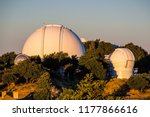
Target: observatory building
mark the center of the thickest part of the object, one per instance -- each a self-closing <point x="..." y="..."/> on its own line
<point x="122" y="61"/>
<point x="83" y="40"/>
<point x="53" y="38"/>
<point x="20" y="57"/>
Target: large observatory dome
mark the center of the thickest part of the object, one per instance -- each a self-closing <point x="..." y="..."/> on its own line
<point x="53" y="38"/>
<point x="122" y="60"/>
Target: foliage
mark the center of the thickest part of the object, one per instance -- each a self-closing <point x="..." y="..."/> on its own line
<point x="1" y="73"/>
<point x="55" y="60"/>
<point x="100" y="48"/>
<point x="133" y="92"/>
<point x="28" y="70"/>
<point x="36" y="59"/>
<point x="116" y="87"/>
<point x="88" y="88"/>
<point x="67" y="94"/>
<point x="144" y="65"/>
<point x="43" y="87"/>
<point x="140" y="82"/>
<point x="7" y="60"/>
<point x="142" y="59"/>
<point x="89" y="73"/>
<point x="93" y="60"/>
<point x="138" y="52"/>
<point x="8" y="77"/>
<point x="95" y="66"/>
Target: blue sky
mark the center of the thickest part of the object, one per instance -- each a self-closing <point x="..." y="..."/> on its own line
<point x="115" y="21"/>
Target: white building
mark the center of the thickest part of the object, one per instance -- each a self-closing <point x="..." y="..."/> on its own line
<point x="20" y="57"/>
<point x="83" y="40"/>
<point x="122" y="60"/>
<point x="53" y="38"/>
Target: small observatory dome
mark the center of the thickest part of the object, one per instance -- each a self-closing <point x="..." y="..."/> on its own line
<point x="122" y="60"/>
<point x="83" y="40"/>
<point x="53" y="38"/>
<point x="20" y="57"/>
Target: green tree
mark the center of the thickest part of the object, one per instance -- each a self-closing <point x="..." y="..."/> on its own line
<point x="100" y="48"/>
<point x="8" y="77"/>
<point x="138" y="52"/>
<point x="43" y="87"/>
<point x="140" y="82"/>
<point x="93" y="60"/>
<point x="115" y="88"/>
<point x="7" y="60"/>
<point x="28" y="70"/>
<point x="144" y="65"/>
<point x="141" y="57"/>
<point x="93" y="64"/>
<point x="36" y="59"/>
<point x="55" y="60"/>
<point x="87" y="89"/>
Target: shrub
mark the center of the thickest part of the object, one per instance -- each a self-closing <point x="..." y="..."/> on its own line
<point x="140" y="82"/>
<point x="8" y="77"/>
<point x="43" y="87"/>
<point x="116" y="87"/>
<point x="28" y="70"/>
<point x="87" y="89"/>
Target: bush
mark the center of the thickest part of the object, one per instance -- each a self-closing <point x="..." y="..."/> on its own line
<point x="7" y="60"/>
<point x="55" y="60"/>
<point x="140" y="82"/>
<point x="116" y="87"/>
<point x="43" y="87"/>
<point x="87" y="89"/>
<point x="8" y="77"/>
<point x="93" y="65"/>
<point x="133" y="92"/>
<point x="28" y="70"/>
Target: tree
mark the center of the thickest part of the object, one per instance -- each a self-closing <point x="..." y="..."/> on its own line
<point x="36" y="59"/>
<point x="105" y="48"/>
<point x="140" y="82"/>
<point x="8" y="77"/>
<point x="141" y="57"/>
<point x="100" y="48"/>
<point x="28" y="70"/>
<point x="138" y="52"/>
<point x="87" y="89"/>
<point x="43" y="87"/>
<point x="55" y="60"/>
<point x="144" y="65"/>
<point x="116" y="87"/>
<point x="93" y="64"/>
<point x="93" y="60"/>
<point x="7" y="60"/>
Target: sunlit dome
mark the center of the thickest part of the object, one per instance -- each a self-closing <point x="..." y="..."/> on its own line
<point x="53" y="38"/>
<point x="20" y="57"/>
<point x="83" y="40"/>
<point x="122" y="60"/>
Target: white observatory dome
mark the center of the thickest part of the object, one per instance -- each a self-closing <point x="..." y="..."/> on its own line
<point x="83" y="40"/>
<point x="53" y="38"/>
<point x="20" y="57"/>
<point x="122" y="60"/>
